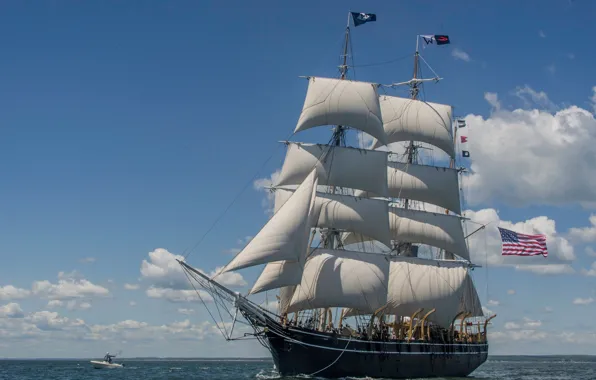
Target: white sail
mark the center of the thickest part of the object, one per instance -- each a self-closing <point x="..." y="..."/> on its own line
<point x="417" y="283"/>
<point x="285" y="297"/>
<point x="344" y="212"/>
<point x="408" y="119"/>
<point x="336" y="166"/>
<point x="428" y="284"/>
<point x="414" y="226"/>
<point x="278" y="275"/>
<point x="342" y="102"/>
<point x="431" y="184"/>
<point x="334" y="278"/>
<point x="285" y="236"/>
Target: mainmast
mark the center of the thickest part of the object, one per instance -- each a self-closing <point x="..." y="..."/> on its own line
<point x="405" y="249"/>
<point x="332" y="239"/>
<point x="339" y="131"/>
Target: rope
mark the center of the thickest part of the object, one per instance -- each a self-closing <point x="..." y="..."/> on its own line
<point x="189" y="251"/>
<point x="224" y="334"/>
<point x="335" y="361"/>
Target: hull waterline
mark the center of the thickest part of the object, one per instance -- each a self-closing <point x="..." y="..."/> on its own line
<point x="98" y="364"/>
<point x="296" y="351"/>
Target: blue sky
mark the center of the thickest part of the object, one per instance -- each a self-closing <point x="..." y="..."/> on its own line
<point x="128" y="127"/>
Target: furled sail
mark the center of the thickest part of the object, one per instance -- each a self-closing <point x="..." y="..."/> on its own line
<point x="342" y="102"/>
<point x="336" y="166"/>
<point x="414" y="226"/>
<point x="416" y="283"/>
<point x="344" y="212"/>
<point x="409" y="119"/>
<point x="335" y="278"/>
<point x="435" y="185"/>
<point x="285" y="236"/>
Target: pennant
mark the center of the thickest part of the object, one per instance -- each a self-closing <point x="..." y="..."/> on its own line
<point x="461" y="123"/>
<point x="464" y="139"/>
<point x="465" y="153"/>
<point x="363" y="18"/>
<point x="440" y="39"/>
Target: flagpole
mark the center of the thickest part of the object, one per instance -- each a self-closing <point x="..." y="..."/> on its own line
<point x="344" y="66"/>
<point x="417" y="42"/>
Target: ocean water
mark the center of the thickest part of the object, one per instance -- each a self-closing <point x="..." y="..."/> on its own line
<point x="495" y="368"/>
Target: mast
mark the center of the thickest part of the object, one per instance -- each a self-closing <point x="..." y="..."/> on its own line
<point x="332" y="235"/>
<point x="406" y="248"/>
<point x="339" y="131"/>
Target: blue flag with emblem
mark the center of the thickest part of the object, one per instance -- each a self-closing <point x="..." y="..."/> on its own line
<point x="363" y="18"/>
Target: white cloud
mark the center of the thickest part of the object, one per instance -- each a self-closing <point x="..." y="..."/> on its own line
<point x="583" y="301"/>
<point x="571" y="56"/>
<point x="512" y="326"/>
<point x="577" y="337"/>
<point x="493" y="303"/>
<point x="163" y="271"/>
<point x="232" y="279"/>
<point x="262" y="184"/>
<point x="530" y="141"/>
<point x="541" y="34"/>
<point x="591" y="271"/>
<point x="186" y="311"/>
<point x="131" y="286"/>
<point x="51" y="320"/>
<point x="55" y="303"/>
<point x="70" y="305"/>
<point x="132" y="303"/>
<point x="551" y="69"/>
<point x="547" y="268"/>
<point x="517" y="335"/>
<point x="15" y="325"/>
<point x="88" y="260"/>
<point x="493" y="99"/>
<point x="530" y="97"/>
<point x="590" y="251"/>
<point x="532" y="323"/>
<point x="69" y="285"/>
<point x="460" y="54"/>
<point x="593" y="99"/>
<point x="486" y="245"/>
<point x="511" y="292"/>
<point x="11" y="310"/>
<point x="548" y="309"/>
<point x="585" y="234"/>
<point x="179" y="295"/>
<point x="486" y="311"/>
<point x="10" y="292"/>
<point x="74" y="305"/>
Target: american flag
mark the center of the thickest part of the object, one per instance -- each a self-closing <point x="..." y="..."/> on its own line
<point x="515" y="244"/>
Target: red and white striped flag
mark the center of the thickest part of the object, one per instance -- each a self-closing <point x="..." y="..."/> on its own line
<point x="516" y="244"/>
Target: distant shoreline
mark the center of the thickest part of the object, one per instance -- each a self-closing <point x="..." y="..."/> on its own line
<point x="154" y="358"/>
<point x="265" y="359"/>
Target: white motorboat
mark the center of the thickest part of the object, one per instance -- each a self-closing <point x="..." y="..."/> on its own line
<point x="106" y="362"/>
<point x="98" y="364"/>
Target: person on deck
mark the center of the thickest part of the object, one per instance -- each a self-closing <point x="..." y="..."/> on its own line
<point x="108" y="357"/>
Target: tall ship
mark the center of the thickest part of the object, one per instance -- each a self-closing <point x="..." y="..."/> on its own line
<point x="366" y="249"/>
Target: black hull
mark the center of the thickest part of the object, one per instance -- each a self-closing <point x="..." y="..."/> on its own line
<point x="297" y="351"/>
